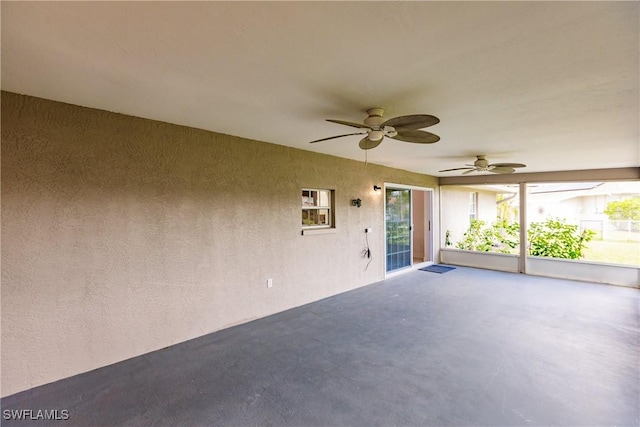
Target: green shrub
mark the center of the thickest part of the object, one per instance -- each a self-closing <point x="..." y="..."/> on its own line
<point x="557" y="239"/>
<point x="476" y="238"/>
<point x="507" y="235"/>
<point x="498" y="237"/>
<point x="552" y="238"/>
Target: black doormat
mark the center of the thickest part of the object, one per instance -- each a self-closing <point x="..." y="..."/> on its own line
<point x="437" y="268"/>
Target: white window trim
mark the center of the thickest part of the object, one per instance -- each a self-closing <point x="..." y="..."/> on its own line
<point x="310" y="231"/>
<point x="321" y="228"/>
<point x="473" y="211"/>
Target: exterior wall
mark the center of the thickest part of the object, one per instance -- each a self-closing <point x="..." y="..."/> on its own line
<point x="541" y="206"/>
<point x="122" y="235"/>
<point x="592" y="207"/>
<point x="595" y="205"/>
<point x="454" y="212"/>
<point x="487" y="208"/>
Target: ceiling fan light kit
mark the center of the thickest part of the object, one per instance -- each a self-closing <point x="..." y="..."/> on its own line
<point x="375" y="135"/>
<point x="402" y="128"/>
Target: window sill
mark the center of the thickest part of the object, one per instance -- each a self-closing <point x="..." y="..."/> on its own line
<point x="312" y="231"/>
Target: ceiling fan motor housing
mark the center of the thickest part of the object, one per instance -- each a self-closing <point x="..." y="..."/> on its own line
<point x="481" y="163"/>
<point x="375" y="118"/>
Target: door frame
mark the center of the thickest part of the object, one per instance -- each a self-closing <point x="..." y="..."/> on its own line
<point x="429" y="195"/>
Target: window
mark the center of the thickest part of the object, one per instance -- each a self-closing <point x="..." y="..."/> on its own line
<point x="317" y="208"/>
<point x="473" y="206"/>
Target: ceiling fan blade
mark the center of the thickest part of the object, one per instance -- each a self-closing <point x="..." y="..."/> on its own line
<point x="455" y="169"/>
<point x="355" y="125"/>
<point x="367" y="144"/>
<point x="416" y="136"/>
<point x="508" y="165"/>
<point x="502" y="170"/>
<point x="339" y="136"/>
<point x="468" y="172"/>
<point x="412" y="122"/>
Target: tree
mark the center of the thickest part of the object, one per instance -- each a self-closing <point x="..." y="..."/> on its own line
<point x="627" y="209"/>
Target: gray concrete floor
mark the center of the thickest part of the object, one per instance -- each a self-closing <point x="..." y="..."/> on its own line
<point x="468" y="347"/>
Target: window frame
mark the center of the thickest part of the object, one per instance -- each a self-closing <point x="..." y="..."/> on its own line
<point x="473" y="206"/>
<point x="330" y="207"/>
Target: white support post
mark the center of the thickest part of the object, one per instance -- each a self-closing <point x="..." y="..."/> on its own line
<point x="522" y="265"/>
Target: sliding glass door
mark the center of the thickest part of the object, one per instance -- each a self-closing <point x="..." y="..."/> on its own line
<point x="398" y="228"/>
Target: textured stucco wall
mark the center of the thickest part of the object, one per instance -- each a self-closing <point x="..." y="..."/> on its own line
<point x="122" y="235"/>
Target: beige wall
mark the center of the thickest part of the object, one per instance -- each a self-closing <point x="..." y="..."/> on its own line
<point x="122" y="235"/>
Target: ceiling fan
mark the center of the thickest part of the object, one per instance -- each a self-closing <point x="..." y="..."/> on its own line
<point x="482" y="165"/>
<point x="402" y="128"/>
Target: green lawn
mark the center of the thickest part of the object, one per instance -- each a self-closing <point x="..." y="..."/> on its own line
<point x="623" y="252"/>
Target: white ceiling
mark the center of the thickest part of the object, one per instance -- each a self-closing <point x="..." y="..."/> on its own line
<point x="554" y="85"/>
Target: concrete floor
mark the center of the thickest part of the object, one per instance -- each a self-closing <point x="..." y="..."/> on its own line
<point x="468" y="347"/>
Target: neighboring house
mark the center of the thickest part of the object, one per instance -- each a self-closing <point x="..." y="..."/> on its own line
<point x="577" y="202"/>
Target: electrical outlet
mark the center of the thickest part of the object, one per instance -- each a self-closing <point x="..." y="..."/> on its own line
<point x="269" y="283"/>
<point x="368" y="230"/>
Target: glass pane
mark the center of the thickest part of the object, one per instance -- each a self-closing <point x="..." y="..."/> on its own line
<point x="319" y="198"/>
<point x="398" y="218"/>
<point x="492" y="221"/>
<point x="313" y="217"/>
<point x="323" y="197"/>
<point x="592" y="221"/>
<point x="309" y="198"/>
